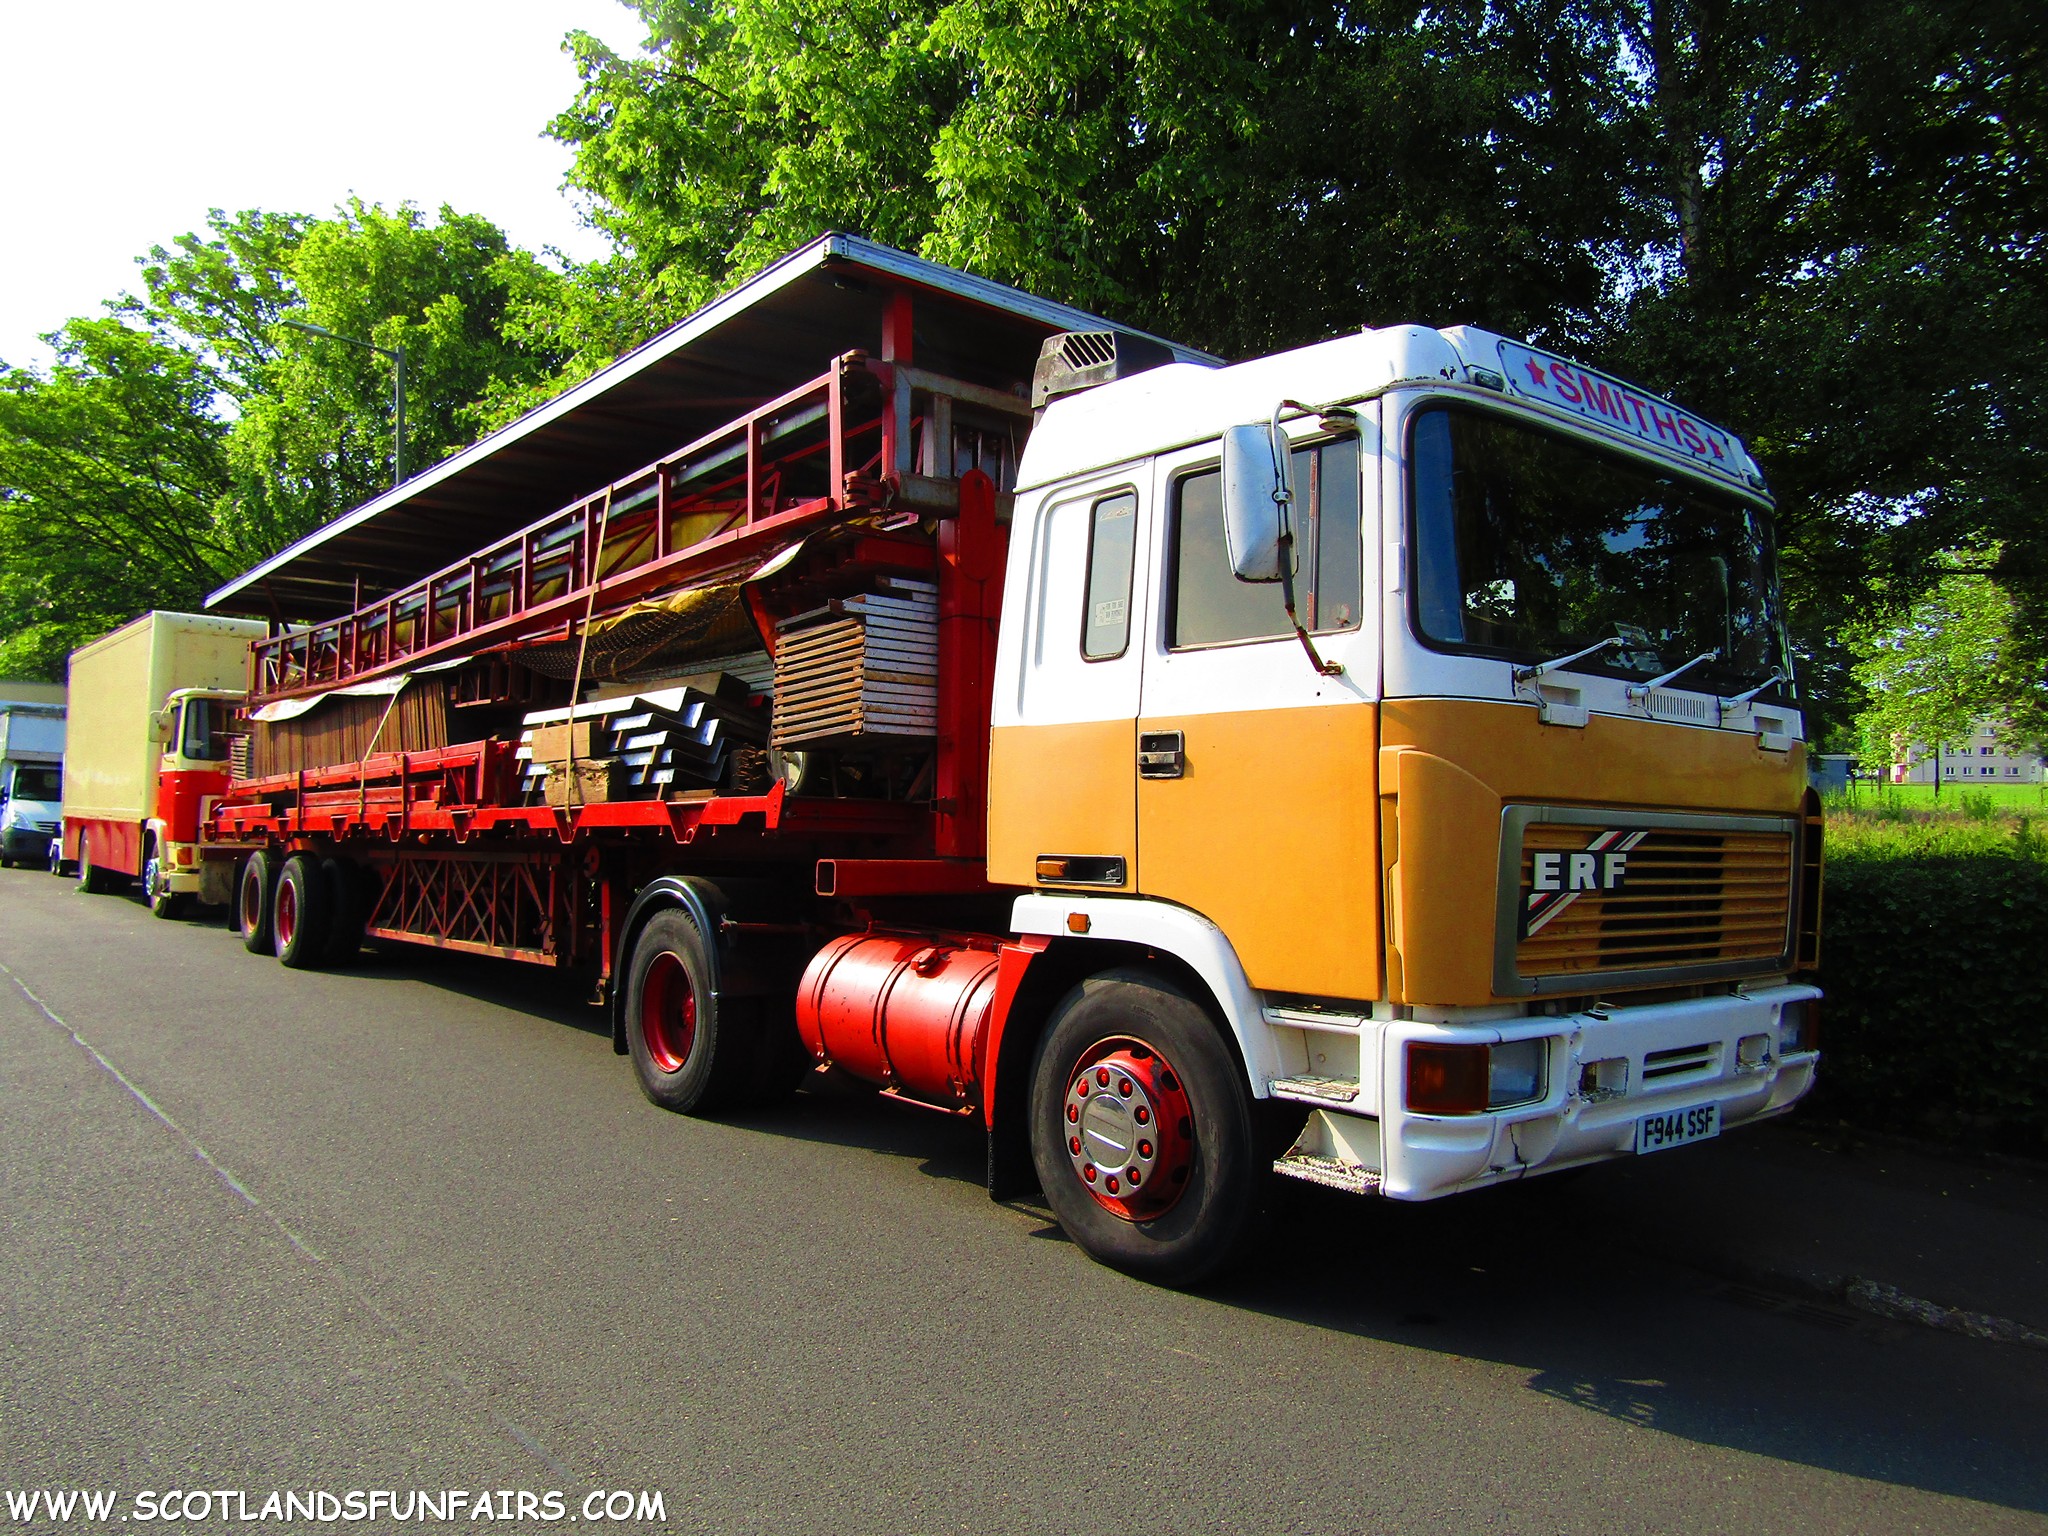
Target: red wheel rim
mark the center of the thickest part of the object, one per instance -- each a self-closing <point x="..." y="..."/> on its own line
<point x="1129" y="1129"/>
<point x="668" y="1012"/>
<point x="287" y="912"/>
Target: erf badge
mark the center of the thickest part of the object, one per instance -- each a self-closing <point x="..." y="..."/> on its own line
<point x="1556" y="880"/>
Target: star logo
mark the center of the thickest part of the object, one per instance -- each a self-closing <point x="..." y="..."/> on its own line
<point x="1535" y="372"/>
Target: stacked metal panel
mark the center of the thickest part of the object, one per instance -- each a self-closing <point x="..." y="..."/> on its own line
<point x="859" y="667"/>
<point x="661" y="741"/>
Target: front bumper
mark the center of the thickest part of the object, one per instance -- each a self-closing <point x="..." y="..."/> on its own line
<point x="27" y="840"/>
<point x="1677" y="1055"/>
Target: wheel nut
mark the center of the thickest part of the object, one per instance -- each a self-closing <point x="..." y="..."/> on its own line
<point x="1132" y="1175"/>
<point x="1144" y="1151"/>
<point x="1074" y="1145"/>
<point x="1142" y="1115"/>
<point x="1073" y="1113"/>
<point x="1102" y="1077"/>
<point x="1123" y="1086"/>
<point x="1110" y="1184"/>
<point x="1088" y="1173"/>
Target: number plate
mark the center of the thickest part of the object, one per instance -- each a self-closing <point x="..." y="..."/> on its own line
<point x="1676" y="1127"/>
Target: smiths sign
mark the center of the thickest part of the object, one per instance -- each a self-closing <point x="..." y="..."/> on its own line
<point x="1556" y="880"/>
<point x="1614" y="404"/>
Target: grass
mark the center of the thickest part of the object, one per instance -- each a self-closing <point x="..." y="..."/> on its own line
<point x="1921" y="797"/>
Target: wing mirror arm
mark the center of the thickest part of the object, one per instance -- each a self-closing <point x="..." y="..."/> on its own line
<point x="1258" y="521"/>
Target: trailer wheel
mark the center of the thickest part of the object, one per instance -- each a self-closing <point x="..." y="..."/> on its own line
<point x="254" y="894"/>
<point x="1141" y="1129"/>
<point x="301" y="915"/>
<point x="156" y="885"/>
<point x="692" y="1051"/>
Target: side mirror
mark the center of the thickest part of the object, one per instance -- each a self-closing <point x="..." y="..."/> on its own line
<point x="162" y="723"/>
<point x="1257" y="498"/>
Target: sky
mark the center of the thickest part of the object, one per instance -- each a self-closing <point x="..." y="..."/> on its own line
<point x="127" y="121"/>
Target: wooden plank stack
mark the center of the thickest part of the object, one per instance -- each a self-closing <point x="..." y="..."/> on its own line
<point x="860" y="667"/>
<point x="346" y="728"/>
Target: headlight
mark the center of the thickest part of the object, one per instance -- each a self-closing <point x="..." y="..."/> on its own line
<point x="1799" y="1027"/>
<point x="1445" y="1079"/>
<point x="1515" y="1074"/>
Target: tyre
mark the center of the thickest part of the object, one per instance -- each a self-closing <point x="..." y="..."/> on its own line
<point x="348" y="909"/>
<point x="255" y="894"/>
<point x="302" y="914"/>
<point x="692" y="1052"/>
<point x="93" y="880"/>
<point x="1142" y="1131"/>
<point x="156" y="886"/>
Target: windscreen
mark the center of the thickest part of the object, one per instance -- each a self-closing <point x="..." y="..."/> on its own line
<point x="39" y="784"/>
<point x="1530" y="546"/>
<point x="204" y="739"/>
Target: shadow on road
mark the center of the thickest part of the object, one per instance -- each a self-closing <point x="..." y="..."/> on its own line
<point x="1559" y="1280"/>
<point x="1562" y="1280"/>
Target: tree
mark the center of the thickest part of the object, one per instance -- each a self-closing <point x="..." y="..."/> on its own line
<point x="1850" y="271"/>
<point x="1241" y="175"/>
<point x="112" y="473"/>
<point x="1934" y="679"/>
<point x="187" y="435"/>
<point x="313" y="423"/>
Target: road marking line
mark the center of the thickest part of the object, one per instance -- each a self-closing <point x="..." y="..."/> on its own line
<point x="306" y="1250"/>
<point x="192" y="1143"/>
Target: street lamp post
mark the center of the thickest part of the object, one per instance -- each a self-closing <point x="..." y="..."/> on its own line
<point x="397" y="356"/>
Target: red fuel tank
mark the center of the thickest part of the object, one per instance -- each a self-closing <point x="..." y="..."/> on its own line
<point x="906" y="1010"/>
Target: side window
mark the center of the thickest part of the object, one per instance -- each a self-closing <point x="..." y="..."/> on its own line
<point x="1211" y="606"/>
<point x="1112" y="555"/>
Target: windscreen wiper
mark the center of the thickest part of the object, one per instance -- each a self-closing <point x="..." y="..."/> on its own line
<point x="1639" y="691"/>
<point x="1541" y="668"/>
<point x="1778" y="675"/>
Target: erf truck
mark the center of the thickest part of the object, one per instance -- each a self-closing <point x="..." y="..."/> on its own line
<point x="1378" y="764"/>
<point x="31" y="779"/>
<point x="147" y="753"/>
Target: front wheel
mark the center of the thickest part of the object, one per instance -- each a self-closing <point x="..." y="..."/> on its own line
<point x="1141" y="1129"/>
<point x="156" y="886"/>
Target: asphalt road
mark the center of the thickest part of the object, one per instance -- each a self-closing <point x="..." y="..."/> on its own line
<point x="413" y="1227"/>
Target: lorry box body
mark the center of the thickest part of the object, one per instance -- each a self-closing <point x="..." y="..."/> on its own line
<point x="31" y="733"/>
<point x="1378" y="764"/>
<point x="31" y="752"/>
<point x="114" y="756"/>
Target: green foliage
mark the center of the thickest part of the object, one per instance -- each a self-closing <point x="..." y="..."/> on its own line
<point x="1952" y="662"/>
<point x="1936" y="999"/>
<point x="112" y="473"/>
<point x="1242" y="175"/>
<point x="188" y="435"/>
<point x="1851" y="272"/>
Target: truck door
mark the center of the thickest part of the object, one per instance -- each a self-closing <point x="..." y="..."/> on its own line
<point x="1062" y="798"/>
<point x="1256" y="784"/>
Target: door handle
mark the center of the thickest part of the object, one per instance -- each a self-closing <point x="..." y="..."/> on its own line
<point x="1161" y="755"/>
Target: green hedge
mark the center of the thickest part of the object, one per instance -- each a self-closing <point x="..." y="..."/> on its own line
<point x="1934" y="956"/>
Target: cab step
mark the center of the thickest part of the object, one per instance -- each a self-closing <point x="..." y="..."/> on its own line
<point x="1330" y="1172"/>
<point x="1309" y="1089"/>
